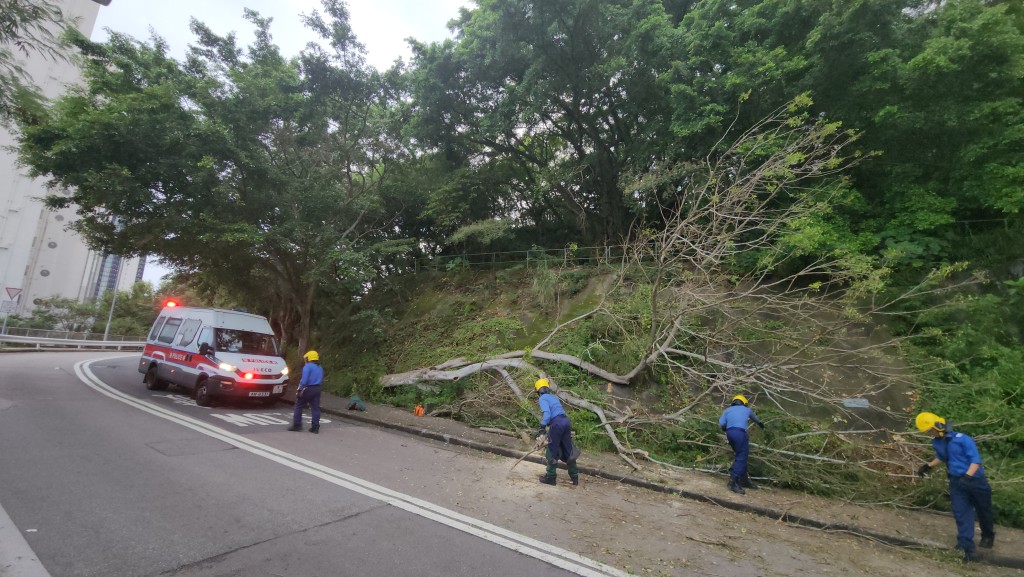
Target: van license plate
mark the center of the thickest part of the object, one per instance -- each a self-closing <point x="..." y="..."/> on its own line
<point x="260" y="394"/>
<point x="278" y="388"/>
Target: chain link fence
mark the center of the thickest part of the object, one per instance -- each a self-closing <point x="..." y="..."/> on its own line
<point x="565" y="257"/>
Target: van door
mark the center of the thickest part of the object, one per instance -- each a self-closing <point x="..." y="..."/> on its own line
<point x="165" y="337"/>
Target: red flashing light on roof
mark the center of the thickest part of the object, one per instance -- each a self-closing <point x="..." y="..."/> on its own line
<point x="171" y="304"/>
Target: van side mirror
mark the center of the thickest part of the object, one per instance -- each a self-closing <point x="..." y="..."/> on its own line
<point x="205" y="349"/>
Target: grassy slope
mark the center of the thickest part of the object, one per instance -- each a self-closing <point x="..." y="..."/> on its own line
<point x="430" y="318"/>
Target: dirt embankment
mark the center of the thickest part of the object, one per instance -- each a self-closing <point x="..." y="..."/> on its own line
<point x="651" y="532"/>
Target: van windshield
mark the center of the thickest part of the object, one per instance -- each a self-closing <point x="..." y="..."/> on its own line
<point x="244" y="342"/>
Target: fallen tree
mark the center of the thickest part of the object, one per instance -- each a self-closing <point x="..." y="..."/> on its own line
<point x="749" y="287"/>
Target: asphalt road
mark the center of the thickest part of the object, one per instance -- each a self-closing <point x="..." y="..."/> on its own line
<point x="101" y="477"/>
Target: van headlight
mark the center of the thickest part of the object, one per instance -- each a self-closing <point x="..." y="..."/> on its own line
<point x="284" y="371"/>
<point x="227" y="367"/>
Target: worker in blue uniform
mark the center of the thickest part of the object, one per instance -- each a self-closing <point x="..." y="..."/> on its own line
<point x="556" y="424"/>
<point x="309" y="393"/>
<point x="969" y="491"/>
<point x="734" y="422"/>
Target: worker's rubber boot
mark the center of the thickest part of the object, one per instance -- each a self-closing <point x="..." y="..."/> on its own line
<point x="734" y="486"/>
<point x="987" y="542"/>
<point x="547" y="480"/>
<point x="314" y="429"/>
<point x="971" y="557"/>
<point x="575" y="479"/>
<point x="746" y="483"/>
<point x="295" y="428"/>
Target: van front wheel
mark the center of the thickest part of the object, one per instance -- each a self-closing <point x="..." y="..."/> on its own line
<point x="152" y="382"/>
<point x="203" y="397"/>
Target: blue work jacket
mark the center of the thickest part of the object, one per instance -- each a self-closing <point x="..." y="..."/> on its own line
<point x="551" y="407"/>
<point x="958" y="451"/>
<point x="737" y="417"/>
<point x="312" y="375"/>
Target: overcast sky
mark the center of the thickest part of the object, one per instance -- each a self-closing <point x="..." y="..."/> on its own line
<point x="380" y="25"/>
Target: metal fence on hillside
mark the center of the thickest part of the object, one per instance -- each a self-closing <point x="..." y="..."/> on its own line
<point x="568" y="256"/>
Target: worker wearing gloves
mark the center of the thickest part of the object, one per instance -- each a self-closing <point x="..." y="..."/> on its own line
<point x="559" y="434"/>
<point x="734" y="421"/>
<point x="308" y="393"/>
<point x="969" y="491"/>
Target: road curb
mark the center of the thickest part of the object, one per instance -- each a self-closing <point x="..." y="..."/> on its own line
<point x="774" y="514"/>
<point x="16" y="556"/>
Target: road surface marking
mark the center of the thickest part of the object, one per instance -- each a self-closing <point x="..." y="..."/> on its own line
<point x="564" y="559"/>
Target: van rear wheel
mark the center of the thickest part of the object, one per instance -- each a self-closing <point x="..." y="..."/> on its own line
<point x="152" y="382"/>
<point x="202" y="394"/>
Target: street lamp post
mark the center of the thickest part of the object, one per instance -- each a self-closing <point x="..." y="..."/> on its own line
<point x="110" y="315"/>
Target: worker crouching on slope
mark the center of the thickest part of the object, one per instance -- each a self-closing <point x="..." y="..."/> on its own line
<point x="559" y="432"/>
<point x="969" y="491"/>
<point x="734" y="421"/>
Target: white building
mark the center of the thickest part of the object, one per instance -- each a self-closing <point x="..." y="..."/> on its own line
<point x="39" y="257"/>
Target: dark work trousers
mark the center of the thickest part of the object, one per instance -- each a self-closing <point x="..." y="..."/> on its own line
<point x="739" y="440"/>
<point x="307" y="396"/>
<point x="560" y="447"/>
<point x="970" y="495"/>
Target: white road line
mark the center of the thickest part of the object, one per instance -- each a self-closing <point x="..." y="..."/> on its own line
<point x="561" y="558"/>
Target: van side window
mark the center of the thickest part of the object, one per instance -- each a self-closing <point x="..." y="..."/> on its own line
<point x="168" y="330"/>
<point x="156" y="328"/>
<point x="206" y="337"/>
<point x="189" y="330"/>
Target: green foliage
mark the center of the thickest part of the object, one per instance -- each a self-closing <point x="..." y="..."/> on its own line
<point x="28" y="28"/>
<point x="545" y="285"/>
<point x="133" y="312"/>
<point x="456" y="263"/>
<point x="573" y="281"/>
<point x="481" y="337"/>
<point x="236" y="165"/>
<point x="490" y="96"/>
<point x="353" y="373"/>
<point x="483" y="233"/>
<point x="977" y="349"/>
<point x="58" y="313"/>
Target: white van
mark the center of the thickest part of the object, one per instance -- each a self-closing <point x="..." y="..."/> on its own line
<point x="218" y="354"/>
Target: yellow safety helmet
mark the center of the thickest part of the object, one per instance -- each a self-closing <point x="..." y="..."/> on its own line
<point x="540" y="384"/>
<point x="928" y="421"/>
<point x="741" y="399"/>
<point x="311" y="356"/>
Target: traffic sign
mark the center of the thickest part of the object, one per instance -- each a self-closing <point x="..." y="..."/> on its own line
<point x="12" y="293"/>
<point x="8" y="306"/>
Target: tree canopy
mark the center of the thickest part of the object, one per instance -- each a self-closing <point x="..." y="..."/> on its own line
<point x="239" y="165"/>
<point x="30" y="28"/>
